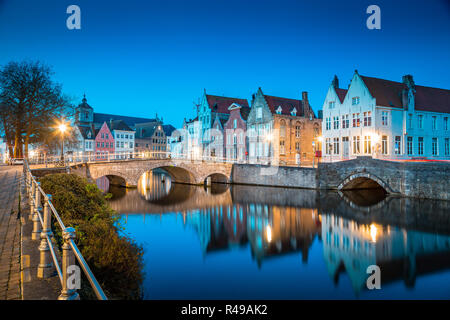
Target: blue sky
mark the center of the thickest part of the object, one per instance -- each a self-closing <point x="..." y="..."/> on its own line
<point x="141" y="57"/>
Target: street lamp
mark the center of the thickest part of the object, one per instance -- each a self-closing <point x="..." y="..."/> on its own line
<point x="62" y="127"/>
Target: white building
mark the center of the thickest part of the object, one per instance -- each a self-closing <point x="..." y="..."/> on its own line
<point x="3" y="152"/>
<point x="385" y="119"/>
<point x="124" y="139"/>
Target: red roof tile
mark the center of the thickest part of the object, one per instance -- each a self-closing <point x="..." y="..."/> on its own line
<point x="341" y="93"/>
<point x="223" y="103"/>
<point x="389" y="94"/>
<point x="286" y="105"/>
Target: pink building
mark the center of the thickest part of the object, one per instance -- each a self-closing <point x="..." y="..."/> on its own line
<point x="235" y="133"/>
<point x="104" y="143"/>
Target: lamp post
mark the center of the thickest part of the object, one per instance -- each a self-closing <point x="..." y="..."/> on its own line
<point x="314" y="152"/>
<point x="62" y="127"/>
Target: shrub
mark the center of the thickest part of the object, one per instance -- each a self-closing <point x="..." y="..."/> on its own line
<point x="115" y="260"/>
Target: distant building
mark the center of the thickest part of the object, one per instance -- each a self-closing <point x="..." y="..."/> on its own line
<point x="104" y="143"/>
<point x="210" y="107"/>
<point x="235" y="138"/>
<point x="281" y="130"/>
<point x="123" y="137"/>
<point x="385" y="119"/>
<point x="151" y="139"/>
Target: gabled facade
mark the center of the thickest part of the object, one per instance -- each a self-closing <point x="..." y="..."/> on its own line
<point x="385" y="119"/>
<point x="151" y="139"/>
<point x="235" y="129"/>
<point x="104" y="143"/>
<point x="210" y="107"/>
<point x="216" y="145"/>
<point x="282" y="130"/>
<point x="123" y="137"/>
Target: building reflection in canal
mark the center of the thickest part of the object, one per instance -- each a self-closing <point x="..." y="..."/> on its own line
<point x="282" y="228"/>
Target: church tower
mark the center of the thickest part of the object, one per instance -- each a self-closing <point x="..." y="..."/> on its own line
<point x="84" y="115"/>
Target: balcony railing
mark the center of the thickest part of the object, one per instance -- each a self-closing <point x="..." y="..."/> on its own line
<point x="42" y="212"/>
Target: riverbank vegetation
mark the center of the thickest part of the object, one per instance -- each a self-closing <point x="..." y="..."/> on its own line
<point x="115" y="259"/>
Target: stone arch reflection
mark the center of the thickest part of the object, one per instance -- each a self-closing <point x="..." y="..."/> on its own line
<point x="155" y="184"/>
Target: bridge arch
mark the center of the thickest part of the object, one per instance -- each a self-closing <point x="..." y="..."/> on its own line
<point x="216" y="177"/>
<point x="363" y="180"/>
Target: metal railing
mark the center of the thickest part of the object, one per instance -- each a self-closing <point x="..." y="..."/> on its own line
<point x="42" y="230"/>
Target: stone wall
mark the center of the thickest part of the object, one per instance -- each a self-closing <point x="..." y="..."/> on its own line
<point x="274" y="176"/>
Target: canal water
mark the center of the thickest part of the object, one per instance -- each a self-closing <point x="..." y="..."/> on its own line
<point x="246" y="242"/>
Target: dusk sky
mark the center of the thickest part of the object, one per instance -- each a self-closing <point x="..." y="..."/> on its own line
<point x="137" y="58"/>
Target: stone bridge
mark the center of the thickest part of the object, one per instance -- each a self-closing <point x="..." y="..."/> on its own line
<point x="413" y="179"/>
<point x="128" y="172"/>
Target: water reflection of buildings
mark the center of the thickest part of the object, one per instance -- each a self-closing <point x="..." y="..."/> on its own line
<point x="271" y="231"/>
<point x="406" y="238"/>
<point x="401" y="254"/>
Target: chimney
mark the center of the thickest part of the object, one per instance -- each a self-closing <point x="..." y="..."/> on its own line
<point x="305" y="103"/>
<point x="408" y="80"/>
<point x="335" y="82"/>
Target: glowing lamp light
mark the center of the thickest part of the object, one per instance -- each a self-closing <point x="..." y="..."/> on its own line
<point x="373" y="232"/>
<point x="269" y="233"/>
<point x="320" y="139"/>
<point x="62" y="127"/>
<point x="269" y="137"/>
<point x="375" y="138"/>
<point x="32" y="153"/>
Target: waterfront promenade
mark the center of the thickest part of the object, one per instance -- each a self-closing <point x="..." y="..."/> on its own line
<point x="10" y="233"/>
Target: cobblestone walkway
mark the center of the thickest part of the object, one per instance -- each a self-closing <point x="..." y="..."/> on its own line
<point x="10" y="233"/>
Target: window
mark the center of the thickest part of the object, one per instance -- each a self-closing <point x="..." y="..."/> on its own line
<point x="336" y="145"/>
<point x="235" y="123"/>
<point x="345" y="121"/>
<point x="433" y="122"/>
<point x="410" y="121"/>
<point x="409" y="145"/>
<point x="103" y="144"/>
<point x="420" y="145"/>
<point x="98" y="144"/>
<point x="282" y="128"/>
<point x="446" y="123"/>
<point x="420" y="121"/>
<point x="328" y="123"/>
<point x="398" y="145"/>
<point x="356" y="144"/>
<point x="258" y="113"/>
<point x="331" y="104"/>
<point x="297" y="131"/>
<point x="328" y="146"/>
<point x="356" y="122"/>
<point x="355" y="101"/>
<point x="103" y="136"/>
<point x="434" y="146"/>
<point x="384" y="145"/>
<point x="106" y="136"/>
<point x="384" y="118"/>
<point x="335" y="122"/>
<point x="447" y="146"/>
<point x="297" y="146"/>
<point x="282" y="147"/>
<point x="367" y="145"/>
<point x="367" y="119"/>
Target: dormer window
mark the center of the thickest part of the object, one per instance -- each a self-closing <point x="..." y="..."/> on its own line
<point x="355" y="101"/>
<point x="294" y="112"/>
<point x="278" y="111"/>
<point x="331" y="104"/>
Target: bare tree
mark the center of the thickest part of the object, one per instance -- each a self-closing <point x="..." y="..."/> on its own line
<point x="30" y="101"/>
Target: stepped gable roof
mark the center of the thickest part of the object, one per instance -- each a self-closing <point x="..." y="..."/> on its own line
<point x="287" y="105"/>
<point x="389" y="94"/>
<point x="220" y="104"/>
<point x="129" y="121"/>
